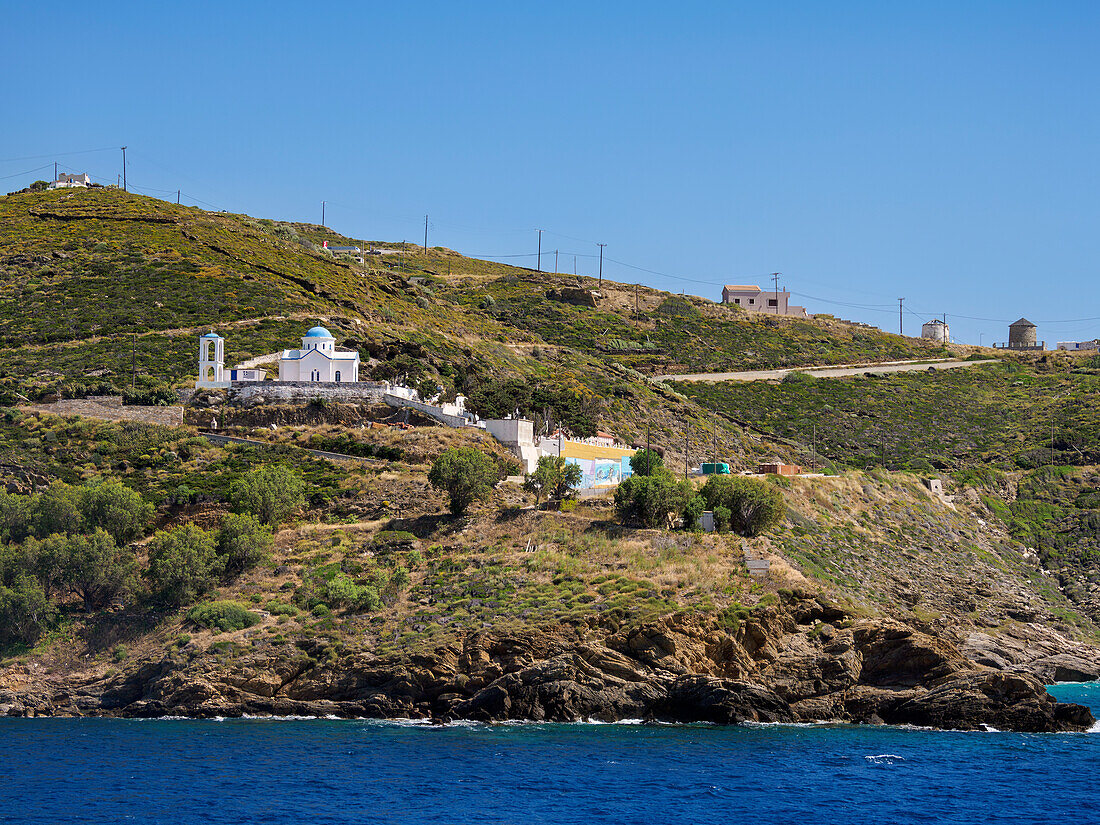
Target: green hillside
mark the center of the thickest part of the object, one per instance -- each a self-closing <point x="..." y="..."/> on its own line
<point x="998" y="415"/>
<point x="105" y="291"/>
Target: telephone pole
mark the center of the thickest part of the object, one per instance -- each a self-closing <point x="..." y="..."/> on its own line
<point x="538" y="266"/>
<point x="55" y="170"/>
<point x="322" y="213"/>
<point x="687" y="463"/>
<point x="133" y="365"/>
<point x="775" y="278"/>
<point x="177" y="197"/>
<point x="574" y="266"/>
<point x="946" y="337"/>
<point x="636" y="299"/>
<point x="601" y="246"/>
<point x="901" y="321"/>
<point x="813" y="461"/>
<point x="124" y="189"/>
<point x="555" y="262"/>
<point x="425" y="233"/>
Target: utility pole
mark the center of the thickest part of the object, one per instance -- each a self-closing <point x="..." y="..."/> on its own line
<point x="946" y="337"/>
<point x="124" y="169"/>
<point x="177" y="197"/>
<point x="901" y="321"/>
<point x="636" y="299"/>
<point x="813" y="461"/>
<point x="775" y="278"/>
<point x="555" y="262"/>
<point x="601" y="246"/>
<point x="538" y="266"/>
<point x="425" y="233"/>
<point x="322" y="213"/>
<point x="648" y="454"/>
<point x="687" y="463"/>
<point x="55" y="170"/>
<point x="714" y="450"/>
<point x="574" y="266"/>
<point x="133" y="365"/>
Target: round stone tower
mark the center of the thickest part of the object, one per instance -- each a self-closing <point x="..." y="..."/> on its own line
<point x="1022" y="335"/>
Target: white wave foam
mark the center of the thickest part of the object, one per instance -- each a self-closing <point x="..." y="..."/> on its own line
<point x="884" y="759"/>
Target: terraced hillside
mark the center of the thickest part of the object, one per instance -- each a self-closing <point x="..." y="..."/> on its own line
<point x="1019" y="414"/>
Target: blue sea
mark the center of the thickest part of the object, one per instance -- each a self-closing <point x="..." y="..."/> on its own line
<point x="336" y="771"/>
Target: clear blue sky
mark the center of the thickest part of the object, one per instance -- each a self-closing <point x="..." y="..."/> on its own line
<point x="946" y="152"/>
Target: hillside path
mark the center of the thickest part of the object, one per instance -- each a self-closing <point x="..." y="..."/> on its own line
<point x="839" y="371"/>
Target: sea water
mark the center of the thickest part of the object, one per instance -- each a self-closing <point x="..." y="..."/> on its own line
<point x="338" y="771"/>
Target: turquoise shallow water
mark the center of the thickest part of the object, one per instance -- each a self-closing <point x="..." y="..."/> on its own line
<point x="332" y="771"/>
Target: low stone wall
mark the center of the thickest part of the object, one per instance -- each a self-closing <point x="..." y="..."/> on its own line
<point x="110" y="408"/>
<point x="367" y="392"/>
<point x="429" y="410"/>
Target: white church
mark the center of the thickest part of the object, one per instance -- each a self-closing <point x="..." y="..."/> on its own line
<point x="318" y="361"/>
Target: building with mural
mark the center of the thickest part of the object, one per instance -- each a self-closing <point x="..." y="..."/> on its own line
<point x="603" y="461"/>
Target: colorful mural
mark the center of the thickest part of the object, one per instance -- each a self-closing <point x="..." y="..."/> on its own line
<point x="601" y="472"/>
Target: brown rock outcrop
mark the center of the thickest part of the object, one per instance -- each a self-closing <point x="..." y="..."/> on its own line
<point x="803" y="660"/>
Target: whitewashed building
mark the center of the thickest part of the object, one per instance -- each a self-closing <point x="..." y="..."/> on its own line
<point x="65" y="181"/>
<point x="319" y="360"/>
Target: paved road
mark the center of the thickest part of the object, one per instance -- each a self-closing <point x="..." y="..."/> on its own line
<point x="841" y="371"/>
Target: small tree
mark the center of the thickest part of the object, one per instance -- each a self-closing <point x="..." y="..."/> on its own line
<point x="242" y="543"/>
<point x="182" y="564"/>
<point x="25" y="612"/>
<point x="466" y="475"/>
<point x="693" y="512"/>
<point x="646" y="462"/>
<point x="755" y="506"/>
<point x="115" y="508"/>
<point x="555" y="476"/>
<point x="722" y="519"/>
<point x="95" y="569"/>
<point x="16" y="516"/>
<point x="652" y="501"/>
<point x="270" y="493"/>
<point x="57" y="510"/>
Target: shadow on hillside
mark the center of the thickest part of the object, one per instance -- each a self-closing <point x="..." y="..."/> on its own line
<point x="105" y="630"/>
<point x="436" y="525"/>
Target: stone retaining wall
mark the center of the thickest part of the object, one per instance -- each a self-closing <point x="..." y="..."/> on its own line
<point x="362" y="391"/>
<point x="110" y="408"/>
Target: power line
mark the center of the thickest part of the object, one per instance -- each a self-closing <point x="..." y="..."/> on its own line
<point x="58" y="154"/>
<point x="29" y="171"/>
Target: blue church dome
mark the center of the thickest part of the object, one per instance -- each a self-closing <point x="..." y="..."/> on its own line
<point x="318" y="332"/>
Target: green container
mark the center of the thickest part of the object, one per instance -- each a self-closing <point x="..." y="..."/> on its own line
<point x="711" y="469"/>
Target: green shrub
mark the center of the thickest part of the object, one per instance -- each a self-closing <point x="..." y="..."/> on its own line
<point x="242" y="543"/>
<point x="693" y="512"/>
<point x="755" y="506"/>
<point x="646" y="462"/>
<point x="466" y="475"/>
<point x="222" y="615"/>
<point x="722" y="519"/>
<point x="116" y="508"/>
<point x="120" y="653"/>
<point x="25" y="611"/>
<point x="279" y="608"/>
<point x="270" y="493"/>
<point x="652" y="501"/>
<point x="183" y="564"/>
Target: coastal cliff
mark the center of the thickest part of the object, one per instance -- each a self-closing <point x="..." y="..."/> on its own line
<point x="802" y="660"/>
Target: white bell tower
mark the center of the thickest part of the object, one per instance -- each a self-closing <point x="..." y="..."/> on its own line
<point x="212" y="361"/>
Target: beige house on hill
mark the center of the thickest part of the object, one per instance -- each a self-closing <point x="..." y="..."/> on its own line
<point x="754" y="299"/>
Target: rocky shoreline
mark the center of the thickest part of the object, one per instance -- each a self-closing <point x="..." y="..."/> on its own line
<point x="803" y="660"/>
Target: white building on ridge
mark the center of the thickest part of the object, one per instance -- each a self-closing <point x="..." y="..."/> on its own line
<point x="65" y="181"/>
<point x="319" y="360"/>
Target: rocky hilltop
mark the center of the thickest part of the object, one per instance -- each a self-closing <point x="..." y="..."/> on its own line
<point x="802" y="660"/>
